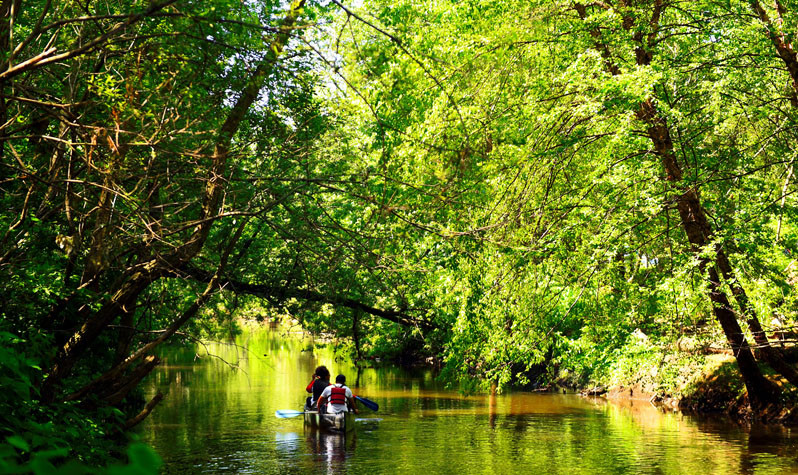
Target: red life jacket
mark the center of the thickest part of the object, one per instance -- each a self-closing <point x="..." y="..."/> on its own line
<point x="337" y="395"/>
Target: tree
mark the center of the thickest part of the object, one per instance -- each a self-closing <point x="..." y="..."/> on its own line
<point x="577" y="135"/>
<point x="182" y="153"/>
<point x="120" y="136"/>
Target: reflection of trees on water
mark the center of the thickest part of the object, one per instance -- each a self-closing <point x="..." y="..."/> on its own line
<point x="217" y="416"/>
<point x="492" y="408"/>
<point x="331" y="448"/>
<point x="217" y="419"/>
<point x="704" y="443"/>
<point x="766" y="448"/>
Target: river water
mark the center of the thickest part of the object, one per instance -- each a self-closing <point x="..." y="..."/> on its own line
<point x="216" y="419"/>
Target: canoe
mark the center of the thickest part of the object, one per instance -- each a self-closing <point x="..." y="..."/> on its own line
<point x="340" y="422"/>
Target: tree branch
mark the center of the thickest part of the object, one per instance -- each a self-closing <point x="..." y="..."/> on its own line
<point x="133" y="421"/>
<point x="283" y="293"/>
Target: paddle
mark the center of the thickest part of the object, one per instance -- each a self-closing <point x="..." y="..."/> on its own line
<point x="368" y="403"/>
<point x="286" y="413"/>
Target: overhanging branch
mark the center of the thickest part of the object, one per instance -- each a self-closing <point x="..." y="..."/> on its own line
<point x="280" y="293"/>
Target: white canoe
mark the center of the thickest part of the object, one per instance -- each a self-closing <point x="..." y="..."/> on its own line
<point x="339" y="422"/>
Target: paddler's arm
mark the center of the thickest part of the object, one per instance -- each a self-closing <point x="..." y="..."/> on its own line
<point x="310" y="385"/>
<point x="352" y="403"/>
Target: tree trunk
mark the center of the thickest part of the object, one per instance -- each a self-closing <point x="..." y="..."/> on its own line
<point x="699" y="232"/>
<point x="69" y="354"/>
<point x="781" y="41"/>
<point x="140" y="276"/>
<point x="784" y="47"/>
<point x="761" y="391"/>
<point x="773" y="356"/>
<point x="356" y="334"/>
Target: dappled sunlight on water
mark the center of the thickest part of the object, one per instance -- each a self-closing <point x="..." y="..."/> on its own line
<point x="217" y="419"/>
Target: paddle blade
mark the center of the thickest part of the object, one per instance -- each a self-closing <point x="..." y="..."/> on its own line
<point x="286" y="413"/>
<point x="368" y="403"/>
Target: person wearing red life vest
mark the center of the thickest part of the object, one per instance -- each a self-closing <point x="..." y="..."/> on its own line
<point x="338" y="397"/>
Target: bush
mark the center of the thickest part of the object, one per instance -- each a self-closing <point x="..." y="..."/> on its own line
<point x="60" y="437"/>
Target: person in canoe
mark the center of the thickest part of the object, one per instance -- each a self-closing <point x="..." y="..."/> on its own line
<point x="337" y="397"/>
<point x="321" y="379"/>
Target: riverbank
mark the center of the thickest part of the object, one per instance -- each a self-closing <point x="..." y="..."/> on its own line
<point x="716" y="387"/>
<point x="683" y="376"/>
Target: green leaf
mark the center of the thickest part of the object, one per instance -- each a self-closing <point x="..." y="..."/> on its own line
<point x="73" y="467"/>
<point x="48" y="454"/>
<point x="144" y="457"/>
<point x="18" y="442"/>
<point x="42" y="466"/>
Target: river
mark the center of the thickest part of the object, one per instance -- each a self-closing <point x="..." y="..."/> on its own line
<point x="216" y="419"/>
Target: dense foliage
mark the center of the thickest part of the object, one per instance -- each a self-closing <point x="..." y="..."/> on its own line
<point x="622" y="174"/>
<point x="521" y="192"/>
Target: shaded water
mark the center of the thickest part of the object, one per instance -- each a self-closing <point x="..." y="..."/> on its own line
<point x="217" y="420"/>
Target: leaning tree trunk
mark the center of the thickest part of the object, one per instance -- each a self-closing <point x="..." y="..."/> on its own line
<point x="698" y="230"/>
<point x="783" y="45"/>
<point x="140" y="276"/>
<point x="761" y="391"/>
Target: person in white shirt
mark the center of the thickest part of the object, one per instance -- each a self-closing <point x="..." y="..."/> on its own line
<point x="337" y="397"/>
